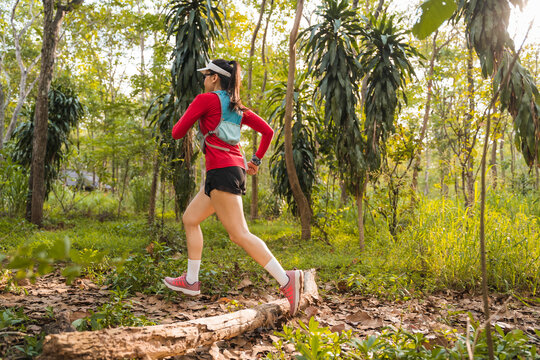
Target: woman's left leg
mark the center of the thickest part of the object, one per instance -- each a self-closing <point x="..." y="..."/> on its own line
<point x="230" y="212"/>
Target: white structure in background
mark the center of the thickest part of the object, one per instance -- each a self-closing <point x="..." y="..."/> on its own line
<point x="84" y="180"/>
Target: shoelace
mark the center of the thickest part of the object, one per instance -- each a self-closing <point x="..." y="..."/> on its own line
<point x="288" y="292"/>
<point x="180" y="282"/>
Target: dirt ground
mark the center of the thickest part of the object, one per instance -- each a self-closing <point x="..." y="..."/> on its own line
<point x="339" y="311"/>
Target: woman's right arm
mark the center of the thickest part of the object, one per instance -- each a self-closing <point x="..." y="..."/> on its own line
<point x="193" y="113"/>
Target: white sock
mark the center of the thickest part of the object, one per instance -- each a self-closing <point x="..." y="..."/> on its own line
<point x="275" y="269"/>
<point x="193" y="267"/>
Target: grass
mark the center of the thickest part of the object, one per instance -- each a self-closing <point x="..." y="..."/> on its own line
<point x="438" y="249"/>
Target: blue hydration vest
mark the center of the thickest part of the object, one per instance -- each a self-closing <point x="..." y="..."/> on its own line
<point x="228" y="129"/>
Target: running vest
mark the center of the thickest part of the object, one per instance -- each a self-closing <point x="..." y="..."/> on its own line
<point x="228" y="129"/>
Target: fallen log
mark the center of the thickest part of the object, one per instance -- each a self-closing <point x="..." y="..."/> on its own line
<point x="159" y="341"/>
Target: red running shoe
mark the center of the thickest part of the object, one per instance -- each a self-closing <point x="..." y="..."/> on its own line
<point x="293" y="289"/>
<point x="181" y="284"/>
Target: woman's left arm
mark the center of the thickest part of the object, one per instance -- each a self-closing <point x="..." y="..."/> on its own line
<point x="255" y="122"/>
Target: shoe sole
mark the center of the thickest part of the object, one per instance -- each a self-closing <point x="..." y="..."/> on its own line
<point x="299" y="283"/>
<point x="182" y="290"/>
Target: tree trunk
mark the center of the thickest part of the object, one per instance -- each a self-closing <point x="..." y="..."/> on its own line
<point x="2" y="115"/>
<point x="470" y="184"/>
<point x="469" y="117"/>
<point x="456" y="181"/>
<point x="113" y="172"/>
<point x="426" y="173"/>
<point x="303" y="205"/>
<point x="360" y="192"/>
<point x="263" y="49"/>
<point x="513" y="157"/>
<point x="483" y="265"/>
<point x="418" y="158"/>
<point x="160" y="341"/>
<point x="153" y="191"/>
<point x="143" y="71"/>
<point x="444" y="187"/>
<point x="254" y="179"/>
<point x="537" y="182"/>
<point x="493" y="162"/>
<point x="124" y="186"/>
<point x="344" y="196"/>
<point x="51" y="28"/>
<point x="17" y="111"/>
<point x="501" y="153"/>
<point x="378" y="9"/>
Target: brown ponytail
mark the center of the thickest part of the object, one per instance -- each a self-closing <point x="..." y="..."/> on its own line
<point x="231" y="84"/>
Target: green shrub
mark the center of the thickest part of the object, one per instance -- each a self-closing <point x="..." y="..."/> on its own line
<point x="96" y="203"/>
<point x="114" y="313"/>
<point x="14" y="321"/>
<point x="314" y="342"/>
<point x="320" y="343"/>
<point x="13" y="187"/>
<point x="140" y="193"/>
<point x="143" y="272"/>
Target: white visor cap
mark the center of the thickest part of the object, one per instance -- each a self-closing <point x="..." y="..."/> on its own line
<point x="213" y="67"/>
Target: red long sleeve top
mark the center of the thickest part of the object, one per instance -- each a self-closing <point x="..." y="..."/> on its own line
<point x="207" y="109"/>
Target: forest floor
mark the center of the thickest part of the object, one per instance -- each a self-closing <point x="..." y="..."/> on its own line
<point x="431" y="315"/>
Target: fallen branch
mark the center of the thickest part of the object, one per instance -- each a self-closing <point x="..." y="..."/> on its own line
<point x="156" y="342"/>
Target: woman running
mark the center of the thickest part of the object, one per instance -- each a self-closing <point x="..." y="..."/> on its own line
<point x="221" y="114"/>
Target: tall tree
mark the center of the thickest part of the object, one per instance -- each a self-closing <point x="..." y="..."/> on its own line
<point x="51" y="27"/>
<point x="254" y="178"/>
<point x="303" y="205"/>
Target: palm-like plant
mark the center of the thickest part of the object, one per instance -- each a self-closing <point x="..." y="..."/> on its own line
<point x="386" y="62"/>
<point x="334" y="58"/>
<point x="195" y="24"/>
<point x="331" y="48"/>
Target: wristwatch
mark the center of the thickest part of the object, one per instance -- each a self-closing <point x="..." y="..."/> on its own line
<point x="256" y="160"/>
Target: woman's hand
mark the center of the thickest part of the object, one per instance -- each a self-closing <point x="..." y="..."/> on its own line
<point x="252" y="168"/>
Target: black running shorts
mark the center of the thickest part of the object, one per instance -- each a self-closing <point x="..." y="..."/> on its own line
<point x="230" y="179"/>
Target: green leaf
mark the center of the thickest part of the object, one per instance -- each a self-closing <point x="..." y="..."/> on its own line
<point x="434" y="13"/>
<point x="60" y="249"/>
<point x="71" y="272"/>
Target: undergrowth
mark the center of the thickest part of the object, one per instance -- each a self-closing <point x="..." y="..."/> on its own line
<point x="313" y="342"/>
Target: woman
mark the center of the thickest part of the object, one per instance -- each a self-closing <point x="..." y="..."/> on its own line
<point x="220" y="114"/>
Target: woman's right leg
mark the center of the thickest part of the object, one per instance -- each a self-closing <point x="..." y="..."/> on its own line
<point x="197" y="211"/>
